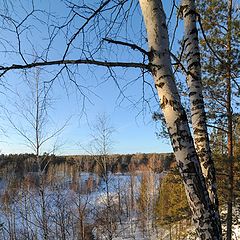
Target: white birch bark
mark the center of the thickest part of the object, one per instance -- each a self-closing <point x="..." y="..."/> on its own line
<point x="176" y="120"/>
<point x="198" y="115"/>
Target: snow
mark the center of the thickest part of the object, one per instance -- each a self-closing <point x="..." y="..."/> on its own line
<point x="24" y="211"/>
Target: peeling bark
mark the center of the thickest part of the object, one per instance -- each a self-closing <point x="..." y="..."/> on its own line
<point x="183" y="146"/>
<point x="198" y="115"/>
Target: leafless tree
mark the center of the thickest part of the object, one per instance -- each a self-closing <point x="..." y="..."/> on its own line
<point x="87" y="30"/>
<point x="30" y="120"/>
<point x="100" y="148"/>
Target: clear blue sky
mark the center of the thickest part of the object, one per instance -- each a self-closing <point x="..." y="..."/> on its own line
<point x="135" y="130"/>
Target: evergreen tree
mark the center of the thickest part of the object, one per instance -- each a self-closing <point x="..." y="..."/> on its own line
<point x="143" y="194"/>
<point x="214" y="21"/>
<point x="171" y="205"/>
<point x="220" y="58"/>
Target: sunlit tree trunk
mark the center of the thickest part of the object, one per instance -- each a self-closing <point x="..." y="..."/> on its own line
<point x="200" y="134"/>
<point x="176" y="120"/>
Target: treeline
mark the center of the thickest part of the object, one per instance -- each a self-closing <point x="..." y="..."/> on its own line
<point x="20" y="164"/>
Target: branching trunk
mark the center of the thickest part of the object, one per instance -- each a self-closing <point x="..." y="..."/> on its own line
<point x="177" y="123"/>
<point x="198" y="115"/>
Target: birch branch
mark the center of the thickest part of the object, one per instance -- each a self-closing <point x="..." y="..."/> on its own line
<point x="5" y="69"/>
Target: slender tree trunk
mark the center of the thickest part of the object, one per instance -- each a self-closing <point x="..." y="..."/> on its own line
<point x="82" y="229"/>
<point x="176" y="120"/>
<point x="230" y="127"/>
<point x="194" y="81"/>
<point x="132" y="197"/>
<point x="44" y="215"/>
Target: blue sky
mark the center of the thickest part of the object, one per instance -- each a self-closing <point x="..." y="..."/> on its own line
<point x="135" y="130"/>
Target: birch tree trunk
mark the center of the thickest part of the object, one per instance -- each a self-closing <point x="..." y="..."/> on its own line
<point x="188" y="163"/>
<point x="198" y="115"/>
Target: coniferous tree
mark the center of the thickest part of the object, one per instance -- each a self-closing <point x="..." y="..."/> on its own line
<point x="171" y="205"/>
<point x="220" y="58"/>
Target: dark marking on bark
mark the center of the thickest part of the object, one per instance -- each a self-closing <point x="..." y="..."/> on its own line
<point x="194" y="64"/>
<point x="191" y="168"/>
<point x="165" y="76"/>
<point x="183" y="116"/>
<point x="154" y="71"/>
<point x="199" y="130"/>
<point x="164" y="25"/>
<point x="173" y="104"/>
<point x="180" y="165"/>
<point x="151" y="55"/>
<point x="192" y="94"/>
<point x="160" y="85"/>
<point x="206" y="165"/>
<point x="181" y="136"/>
<point x="190" y="12"/>
<point x="201" y="139"/>
<point x="194" y="31"/>
<point x="197" y="54"/>
<point x="187" y="44"/>
<point x="182" y="9"/>
<point x="197" y="101"/>
<point x="164" y="102"/>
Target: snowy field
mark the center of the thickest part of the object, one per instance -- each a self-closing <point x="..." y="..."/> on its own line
<point x="65" y="208"/>
<point x="88" y="207"/>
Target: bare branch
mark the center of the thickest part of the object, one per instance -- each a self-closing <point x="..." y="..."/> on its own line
<point x="82" y="27"/>
<point x="131" y="45"/>
<point x="56" y="133"/>
<point x="216" y="127"/>
<point x="136" y="47"/>
<point x="22" y="133"/>
<point x="236" y="83"/>
<point x="77" y="61"/>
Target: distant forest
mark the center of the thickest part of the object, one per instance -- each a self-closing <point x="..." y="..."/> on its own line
<point x="21" y="164"/>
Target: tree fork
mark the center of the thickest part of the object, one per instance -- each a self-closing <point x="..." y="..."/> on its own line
<point x="187" y="159"/>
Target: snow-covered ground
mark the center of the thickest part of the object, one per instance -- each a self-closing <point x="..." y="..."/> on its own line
<point x="73" y="208"/>
<point x="32" y="213"/>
